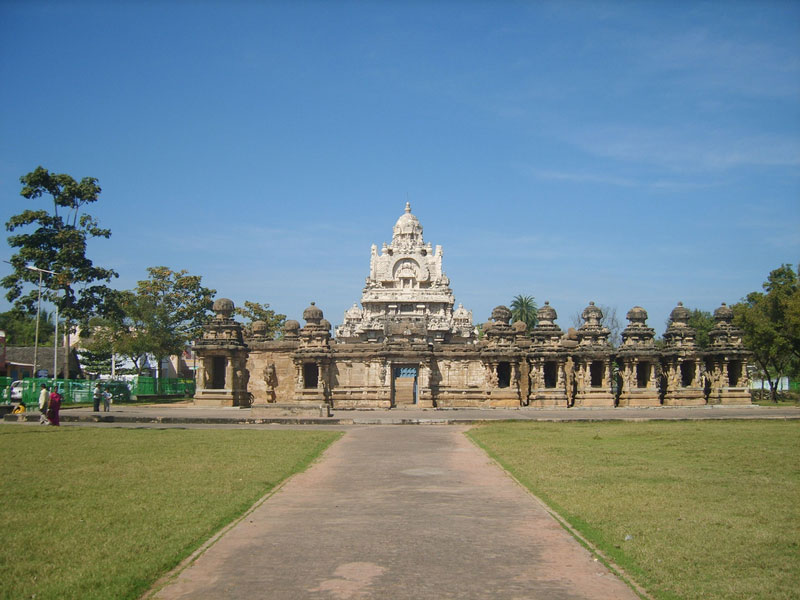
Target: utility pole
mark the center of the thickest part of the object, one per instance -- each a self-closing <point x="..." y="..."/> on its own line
<point x="38" y="312"/>
<point x="55" y="351"/>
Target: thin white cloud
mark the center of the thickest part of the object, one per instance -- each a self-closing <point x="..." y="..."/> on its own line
<point x="703" y="60"/>
<point x="669" y="185"/>
<point x="687" y="150"/>
<point x="577" y="177"/>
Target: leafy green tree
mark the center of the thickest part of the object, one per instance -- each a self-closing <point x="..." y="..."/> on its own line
<point x="56" y="242"/>
<point x="769" y="320"/>
<point x="703" y="322"/>
<point x="161" y="316"/>
<point x="255" y="311"/>
<point x="523" y="308"/>
<point x="95" y="363"/>
<point x="125" y="333"/>
<point x="20" y="328"/>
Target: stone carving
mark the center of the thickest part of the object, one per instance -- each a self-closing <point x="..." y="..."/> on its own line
<point x="570" y="380"/>
<point x="536" y="378"/>
<point x="491" y="376"/>
<point x="673" y="377"/>
<point x="270" y="381"/>
<point x="628" y="378"/>
<point x="242" y="377"/>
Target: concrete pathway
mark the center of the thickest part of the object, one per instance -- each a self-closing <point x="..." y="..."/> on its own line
<point x="185" y="414"/>
<point x="398" y="512"/>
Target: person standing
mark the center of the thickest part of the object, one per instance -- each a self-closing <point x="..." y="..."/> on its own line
<point x="106" y="400"/>
<point x="44" y="402"/>
<point x="96" y="396"/>
<point x="55" y="406"/>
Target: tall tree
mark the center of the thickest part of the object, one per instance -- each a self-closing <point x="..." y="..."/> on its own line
<point x="770" y="320"/>
<point x="255" y="311"/>
<point x="523" y="308"/>
<point x="56" y="243"/>
<point x="160" y="317"/>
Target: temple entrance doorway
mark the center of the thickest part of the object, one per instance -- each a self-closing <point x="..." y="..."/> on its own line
<point x="404" y="386"/>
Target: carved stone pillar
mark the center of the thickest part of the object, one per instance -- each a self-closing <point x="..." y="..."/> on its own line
<point x="229" y="379"/>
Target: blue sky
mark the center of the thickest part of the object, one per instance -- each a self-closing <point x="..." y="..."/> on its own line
<point x="628" y="153"/>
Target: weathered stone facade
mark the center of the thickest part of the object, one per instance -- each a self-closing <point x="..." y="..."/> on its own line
<point x="406" y="347"/>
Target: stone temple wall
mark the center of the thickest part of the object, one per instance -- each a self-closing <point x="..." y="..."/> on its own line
<point x="509" y="367"/>
<point x="278" y="382"/>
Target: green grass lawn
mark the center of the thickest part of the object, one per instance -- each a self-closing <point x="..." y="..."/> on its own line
<point x="707" y="509"/>
<point x="786" y="401"/>
<point x="102" y="513"/>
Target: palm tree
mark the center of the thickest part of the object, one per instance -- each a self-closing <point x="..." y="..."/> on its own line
<point x="523" y="308"/>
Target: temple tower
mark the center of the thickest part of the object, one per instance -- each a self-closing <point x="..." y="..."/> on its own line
<point x="726" y="377"/>
<point x="407" y="294"/>
<point x="548" y="359"/>
<point x="222" y="377"/>
<point x="312" y="359"/>
<point x="502" y="360"/>
<point x="593" y="362"/>
<point x="638" y="358"/>
<point x="682" y="368"/>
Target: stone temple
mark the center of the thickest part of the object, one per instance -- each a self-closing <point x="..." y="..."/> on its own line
<point x="406" y="346"/>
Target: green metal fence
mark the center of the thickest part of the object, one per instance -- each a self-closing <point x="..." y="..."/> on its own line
<point x="150" y="386"/>
<point x="72" y="390"/>
<point x="82" y="390"/>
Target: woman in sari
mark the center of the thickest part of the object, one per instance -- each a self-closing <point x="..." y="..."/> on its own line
<point x="55" y="406"/>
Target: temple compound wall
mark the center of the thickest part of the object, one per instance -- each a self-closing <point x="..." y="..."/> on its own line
<point x="407" y="347"/>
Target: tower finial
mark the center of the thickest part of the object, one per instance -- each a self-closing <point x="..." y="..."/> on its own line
<point x="408" y="207"/>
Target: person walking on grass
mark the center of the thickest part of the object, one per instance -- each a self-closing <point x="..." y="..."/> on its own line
<point x="44" y="402"/>
<point x="55" y="406"/>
